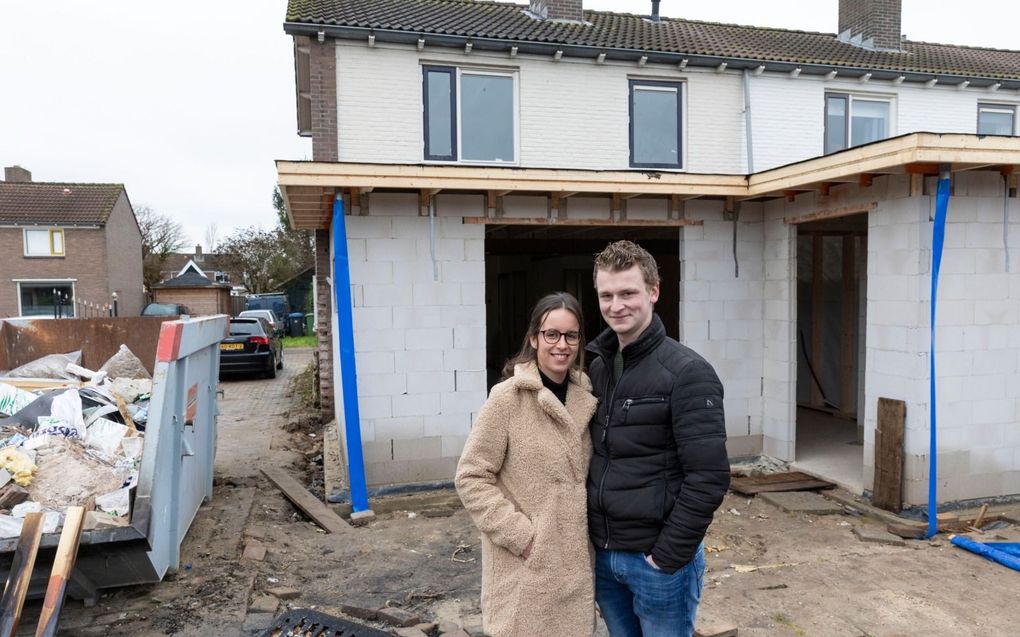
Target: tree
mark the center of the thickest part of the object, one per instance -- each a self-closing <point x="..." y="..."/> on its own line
<point x="211" y="232"/>
<point x="161" y="236"/>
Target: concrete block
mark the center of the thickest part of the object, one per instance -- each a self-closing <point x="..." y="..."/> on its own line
<point x="461" y="272"/>
<point x="372" y="407"/>
<point x="417" y="317"/>
<point x="379" y="340"/>
<point x="448" y="424"/>
<point x="375" y="363"/>
<point x="421" y="361"/>
<point x="429" y="338"/>
<point x="356" y="249"/>
<point x="474" y="249"/>
<point x="470" y="381"/>
<point x="472" y="294"/>
<point x="390" y="250"/>
<point x="371" y="272"/>
<point x="802" y="502"/>
<point x="446" y="250"/>
<point x="417" y="449"/>
<point x="877" y="536"/>
<point x="430" y="382"/>
<point x="464" y="359"/>
<point x="404" y="428"/>
<point x="434" y="294"/>
<point x="372" y="318"/>
<point x="388" y="295"/>
<point x="414" y="228"/>
<point x="462" y="401"/>
<point x="377" y="451"/>
<point x="462" y="315"/>
<point x="453" y="445"/>
<point x="469" y="337"/>
<point x="368" y="227"/>
<point x="413" y="272"/>
<point x="455" y="228"/>
<point x="416" y="405"/>
<point x="381" y="384"/>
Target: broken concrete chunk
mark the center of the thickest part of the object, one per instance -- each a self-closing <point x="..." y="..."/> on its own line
<point x="398" y="617"/>
<point x="460" y="632"/>
<point x="284" y="593"/>
<point x="10" y="526"/>
<point x="877" y="536"/>
<point x="409" y="632"/>
<point x="100" y="520"/>
<point x="715" y="629"/>
<point x="264" y="604"/>
<point x="124" y="364"/>
<point x="368" y="614"/>
<point x="254" y="550"/>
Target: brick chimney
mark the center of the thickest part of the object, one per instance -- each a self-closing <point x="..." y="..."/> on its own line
<point x="16" y="173"/>
<point x="872" y="24"/>
<point x="558" y="10"/>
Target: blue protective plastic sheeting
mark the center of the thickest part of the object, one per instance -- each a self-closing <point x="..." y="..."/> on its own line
<point x="1005" y="553"/>
<point x="348" y="371"/>
<point x="937" y="239"/>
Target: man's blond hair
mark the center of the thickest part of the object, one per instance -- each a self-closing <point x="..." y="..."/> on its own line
<point x="623" y="255"/>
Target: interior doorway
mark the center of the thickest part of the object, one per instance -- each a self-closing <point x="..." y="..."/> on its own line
<point x="524" y="263"/>
<point x="831" y="317"/>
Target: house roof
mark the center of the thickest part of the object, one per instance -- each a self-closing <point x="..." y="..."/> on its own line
<point x="190" y="279"/>
<point x="620" y="31"/>
<point x="31" y="203"/>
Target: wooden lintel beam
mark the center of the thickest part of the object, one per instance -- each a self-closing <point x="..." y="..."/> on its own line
<point x="831" y="214"/>
<point x="791" y="195"/>
<point x="569" y="193"/>
<point x="916" y="185"/>
<point x="631" y="195"/>
<point x="922" y="168"/>
<point x="864" y="180"/>
<point x="626" y="223"/>
<point x="823" y="188"/>
<point x="1008" y="169"/>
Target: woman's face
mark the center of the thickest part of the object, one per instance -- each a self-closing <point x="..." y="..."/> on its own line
<point x="555" y="359"/>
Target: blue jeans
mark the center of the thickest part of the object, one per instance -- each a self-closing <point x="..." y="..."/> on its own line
<point x="638" y="601"/>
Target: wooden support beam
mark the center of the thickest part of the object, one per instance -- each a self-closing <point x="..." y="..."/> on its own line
<point x="832" y="213"/>
<point x="63" y="564"/>
<point x="916" y="185"/>
<point x="864" y="180"/>
<point x="624" y="223"/>
<point x="888" y="492"/>
<point x="922" y="168"/>
<point x="616" y="209"/>
<point x="302" y="499"/>
<point x="823" y="188"/>
<point x="791" y="195"/>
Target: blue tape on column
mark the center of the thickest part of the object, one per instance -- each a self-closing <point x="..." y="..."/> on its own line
<point x="348" y="371"/>
<point x="937" y="239"/>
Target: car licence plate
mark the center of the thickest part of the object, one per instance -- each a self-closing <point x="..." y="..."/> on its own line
<point x="231" y="346"/>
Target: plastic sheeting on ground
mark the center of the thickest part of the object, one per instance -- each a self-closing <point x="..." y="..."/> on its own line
<point x="1005" y="553"/>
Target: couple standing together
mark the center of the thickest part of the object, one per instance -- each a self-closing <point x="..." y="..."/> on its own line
<point x="601" y="490"/>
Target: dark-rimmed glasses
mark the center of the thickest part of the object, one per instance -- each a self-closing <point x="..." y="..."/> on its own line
<point x="553" y="336"/>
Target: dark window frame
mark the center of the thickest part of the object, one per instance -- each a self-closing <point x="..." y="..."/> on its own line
<point x="848" y="113"/>
<point x="679" y="87"/>
<point x="989" y="105"/>
<point x="452" y="72"/>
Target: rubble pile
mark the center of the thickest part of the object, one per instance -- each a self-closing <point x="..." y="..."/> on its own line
<point x="70" y="436"/>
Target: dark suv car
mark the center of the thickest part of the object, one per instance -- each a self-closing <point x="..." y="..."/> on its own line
<point x="251" y="346"/>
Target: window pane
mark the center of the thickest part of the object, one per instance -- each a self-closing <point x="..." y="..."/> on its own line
<point x="41" y="299"/>
<point x="37" y="242"/>
<point x="869" y="121"/>
<point x="835" y="123"/>
<point x="997" y="121"/>
<point x="57" y="237"/>
<point x="440" y="116"/>
<point x="655" y="127"/>
<point x="487" y="117"/>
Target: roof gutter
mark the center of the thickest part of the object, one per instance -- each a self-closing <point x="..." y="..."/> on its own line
<point x="683" y="60"/>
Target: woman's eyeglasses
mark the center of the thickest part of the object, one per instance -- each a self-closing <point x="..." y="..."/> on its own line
<point x="553" y="336"/>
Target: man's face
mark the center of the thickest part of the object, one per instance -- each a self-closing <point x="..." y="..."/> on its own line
<point x="626" y="302"/>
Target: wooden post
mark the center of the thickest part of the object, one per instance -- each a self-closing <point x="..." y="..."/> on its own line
<point x="63" y="563"/>
<point x="888" y="491"/>
<point x="21" y="574"/>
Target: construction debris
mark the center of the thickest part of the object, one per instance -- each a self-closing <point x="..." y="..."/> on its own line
<point x="71" y="436"/>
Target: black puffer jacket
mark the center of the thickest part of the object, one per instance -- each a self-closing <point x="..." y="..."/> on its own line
<point x="660" y="468"/>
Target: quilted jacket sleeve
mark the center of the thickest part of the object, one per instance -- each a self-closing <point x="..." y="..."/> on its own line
<point x="477" y="472"/>
<point x="699" y="430"/>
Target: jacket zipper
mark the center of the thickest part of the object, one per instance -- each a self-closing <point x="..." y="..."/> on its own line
<point x="605" y="439"/>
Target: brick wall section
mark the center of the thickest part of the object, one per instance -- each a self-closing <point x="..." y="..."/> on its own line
<point x="124" y="258"/>
<point x="323" y="318"/>
<point x="559" y="9"/>
<point x="84" y="259"/>
<point x="878" y="19"/>
<point x="322" y="62"/>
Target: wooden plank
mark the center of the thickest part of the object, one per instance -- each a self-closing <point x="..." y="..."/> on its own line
<point x="304" y="500"/>
<point x="888" y="491"/>
<point x="21" y="574"/>
<point x="544" y="221"/>
<point x="773" y="478"/>
<point x="63" y="563"/>
<point x="810" y="484"/>
<point x="832" y="213"/>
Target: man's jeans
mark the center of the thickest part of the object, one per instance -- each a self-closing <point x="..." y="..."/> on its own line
<point x="638" y="601"/>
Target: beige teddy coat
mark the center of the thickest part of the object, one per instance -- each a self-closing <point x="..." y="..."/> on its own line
<point x="522" y="479"/>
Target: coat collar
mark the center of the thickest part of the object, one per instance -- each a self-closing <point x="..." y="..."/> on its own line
<point x="606" y="343"/>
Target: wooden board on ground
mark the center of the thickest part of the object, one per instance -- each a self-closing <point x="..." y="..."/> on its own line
<point x="772" y="482"/>
<point x="63" y="564"/>
<point x="888" y="491"/>
<point x="302" y="499"/>
<point x="715" y="629"/>
<point x="21" y="574"/>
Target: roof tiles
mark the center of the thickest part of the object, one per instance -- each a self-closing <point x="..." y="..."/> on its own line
<point x="36" y="203"/>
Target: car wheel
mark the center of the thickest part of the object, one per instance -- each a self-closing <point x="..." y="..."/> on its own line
<point x="279" y="365"/>
<point x="271" y="372"/>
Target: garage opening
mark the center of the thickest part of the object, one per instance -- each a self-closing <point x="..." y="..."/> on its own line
<point x="524" y="263"/>
<point x="831" y="294"/>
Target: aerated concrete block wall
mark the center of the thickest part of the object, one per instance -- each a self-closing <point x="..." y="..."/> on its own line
<point x="419" y="338"/>
<point x="721" y="310"/>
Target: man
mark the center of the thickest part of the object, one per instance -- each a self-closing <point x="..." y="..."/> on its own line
<point x="659" y="468"/>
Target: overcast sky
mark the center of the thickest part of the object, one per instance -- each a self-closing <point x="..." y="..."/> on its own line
<point x="189" y="102"/>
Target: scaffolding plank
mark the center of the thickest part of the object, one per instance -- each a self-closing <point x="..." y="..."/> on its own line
<point x="770" y="483"/>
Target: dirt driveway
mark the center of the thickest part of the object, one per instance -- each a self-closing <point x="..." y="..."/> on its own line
<point x="771" y="573"/>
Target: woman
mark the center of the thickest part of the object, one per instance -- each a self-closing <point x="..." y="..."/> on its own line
<point x="522" y="479"/>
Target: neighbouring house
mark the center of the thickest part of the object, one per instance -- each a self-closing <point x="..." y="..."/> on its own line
<point x="785" y="180"/>
<point x="76" y="246"/>
<point x="196" y="292"/>
<point x="210" y="265"/>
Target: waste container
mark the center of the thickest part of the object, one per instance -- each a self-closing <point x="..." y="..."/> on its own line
<point x="310" y="323"/>
<point x="176" y="472"/>
<point x="296" y="324"/>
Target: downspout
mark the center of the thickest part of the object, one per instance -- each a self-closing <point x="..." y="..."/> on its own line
<point x="749" y="144"/>
<point x="348" y="371"/>
<point x="937" y="240"/>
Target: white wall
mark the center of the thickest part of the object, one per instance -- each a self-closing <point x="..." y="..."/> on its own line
<point x="574" y="113"/>
<point x="419" y="341"/>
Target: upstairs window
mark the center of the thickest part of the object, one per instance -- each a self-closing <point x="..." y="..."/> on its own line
<point x="47" y="242"/>
<point x="470" y="115"/>
<point x="996" y="119"/>
<point x="655" y="124"/>
<point x="851" y="121"/>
